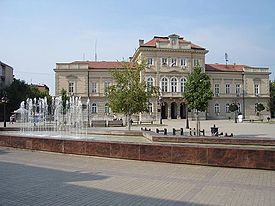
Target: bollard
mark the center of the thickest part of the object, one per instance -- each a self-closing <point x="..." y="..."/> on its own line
<point x="165" y="131"/>
<point x="174" y="131"/>
<point x="181" y="131"/>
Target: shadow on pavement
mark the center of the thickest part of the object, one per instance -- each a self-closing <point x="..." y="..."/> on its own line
<point x="28" y="185"/>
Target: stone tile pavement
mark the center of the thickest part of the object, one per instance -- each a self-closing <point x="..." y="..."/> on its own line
<point x="40" y="178"/>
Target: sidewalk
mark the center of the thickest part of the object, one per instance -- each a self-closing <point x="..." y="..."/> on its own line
<point x="40" y="178"/>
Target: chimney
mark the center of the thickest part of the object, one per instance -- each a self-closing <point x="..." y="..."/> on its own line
<point x="141" y="42"/>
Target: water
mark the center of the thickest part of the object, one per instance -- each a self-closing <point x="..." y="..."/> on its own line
<point x="60" y="116"/>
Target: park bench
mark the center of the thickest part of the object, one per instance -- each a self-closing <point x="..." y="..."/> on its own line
<point x="98" y="123"/>
<point x="115" y="123"/>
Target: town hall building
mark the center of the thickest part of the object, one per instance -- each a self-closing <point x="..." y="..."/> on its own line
<point x="169" y="62"/>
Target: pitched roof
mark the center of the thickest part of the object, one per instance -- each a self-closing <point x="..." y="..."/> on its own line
<point x="152" y="42"/>
<point x="101" y="64"/>
<point x="224" y="67"/>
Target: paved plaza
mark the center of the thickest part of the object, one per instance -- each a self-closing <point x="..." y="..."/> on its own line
<point x="247" y="129"/>
<point x="40" y="178"/>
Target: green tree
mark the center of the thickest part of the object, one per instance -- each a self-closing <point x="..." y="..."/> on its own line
<point x="17" y="92"/>
<point x="197" y="92"/>
<point x="259" y="107"/>
<point x="272" y="98"/>
<point x="234" y="108"/>
<point x="64" y="98"/>
<point x="129" y="95"/>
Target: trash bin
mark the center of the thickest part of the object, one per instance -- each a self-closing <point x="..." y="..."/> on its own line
<point x="214" y="131"/>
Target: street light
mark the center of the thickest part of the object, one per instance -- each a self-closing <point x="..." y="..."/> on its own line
<point x="4" y="100"/>
<point x="160" y="103"/>
<point x="187" y="121"/>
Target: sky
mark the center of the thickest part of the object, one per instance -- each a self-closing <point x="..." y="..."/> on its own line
<point x="37" y="34"/>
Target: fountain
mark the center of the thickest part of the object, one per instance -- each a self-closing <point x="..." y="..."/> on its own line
<point x="62" y="126"/>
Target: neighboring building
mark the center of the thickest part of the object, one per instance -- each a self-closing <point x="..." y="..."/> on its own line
<point x="42" y="88"/>
<point x="6" y="75"/>
<point x="170" y="60"/>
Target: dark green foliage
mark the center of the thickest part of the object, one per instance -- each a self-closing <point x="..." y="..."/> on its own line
<point x="260" y="107"/>
<point x="233" y="107"/>
<point x="64" y="98"/>
<point x="272" y="98"/>
<point x="17" y="92"/>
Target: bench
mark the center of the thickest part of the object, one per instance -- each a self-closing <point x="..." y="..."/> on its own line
<point x="142" y="122"/>
<point x="98" y="123"/>
<point x="146" y="121"/>
<point x="253" y="120"/>
<point x="115" y="123"/>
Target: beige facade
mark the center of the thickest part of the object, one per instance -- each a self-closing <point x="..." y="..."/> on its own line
<point x="170" y="60"/>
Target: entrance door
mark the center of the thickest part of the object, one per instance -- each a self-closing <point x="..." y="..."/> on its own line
<point x="173" y="110"/>
<point x="182" y="111"/>
<point x="164" y="110"/>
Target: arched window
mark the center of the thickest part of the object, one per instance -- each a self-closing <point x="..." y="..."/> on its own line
<point x="182" y="83"/>
<point x="107" y="108"/>
<point x="150" y="107"/>
<point x="164" y="84"/>
<point x="150" y="83"/>
<point x="227" y="108"/>
<point x="217" y="108"/>
<point x="94" y="108"/>
<point x="174" y="84"/>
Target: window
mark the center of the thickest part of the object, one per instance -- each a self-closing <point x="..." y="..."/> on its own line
<point x="238" y="89"/>
<point x="174" y="82"/>
<point x="173" y="62"/>
<point x="182" y="83"/>
<point x="239" y="107"/>
<point x="164" y="61"/>
<point x="150" y="83"/>
<point x="164" y="84"/>
<point x="107" y="108"/>
<point x="227" y="108"/>
<point x="94" y="108"/>
<point x="150" y="61"/>
<point x="150" y="107"/>
<point x="196" y="62"/>
<point x="217" y="89"/>
<point x="71" y="88"/>
<point x="106" y="87"/>
<point x="94" y="87"/>
<point x="217" y="108"/>
<point x="227" y="88"/>
<point x="256" y="89"/>
<point x="183" y="62"/>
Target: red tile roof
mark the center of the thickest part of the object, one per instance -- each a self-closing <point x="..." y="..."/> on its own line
<point x="102" y="64"/>
<point x="224" y="67"/>
<point x="152" y="42"/>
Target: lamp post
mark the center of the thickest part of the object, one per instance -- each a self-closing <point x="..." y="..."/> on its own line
<point x="160" y="103"/>
<point x="187" y="121"/>
<point x="243" y="95"/>
<point x="4" y="100"/>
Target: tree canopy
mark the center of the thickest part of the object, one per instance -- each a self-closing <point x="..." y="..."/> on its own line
<point x="17" y="92"/>
<point x="129" y="94"/>
<point x="272" y="98"/>
<point x="197" y="91"/>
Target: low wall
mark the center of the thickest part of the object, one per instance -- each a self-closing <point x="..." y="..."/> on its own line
<point x="244" y="157"/>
